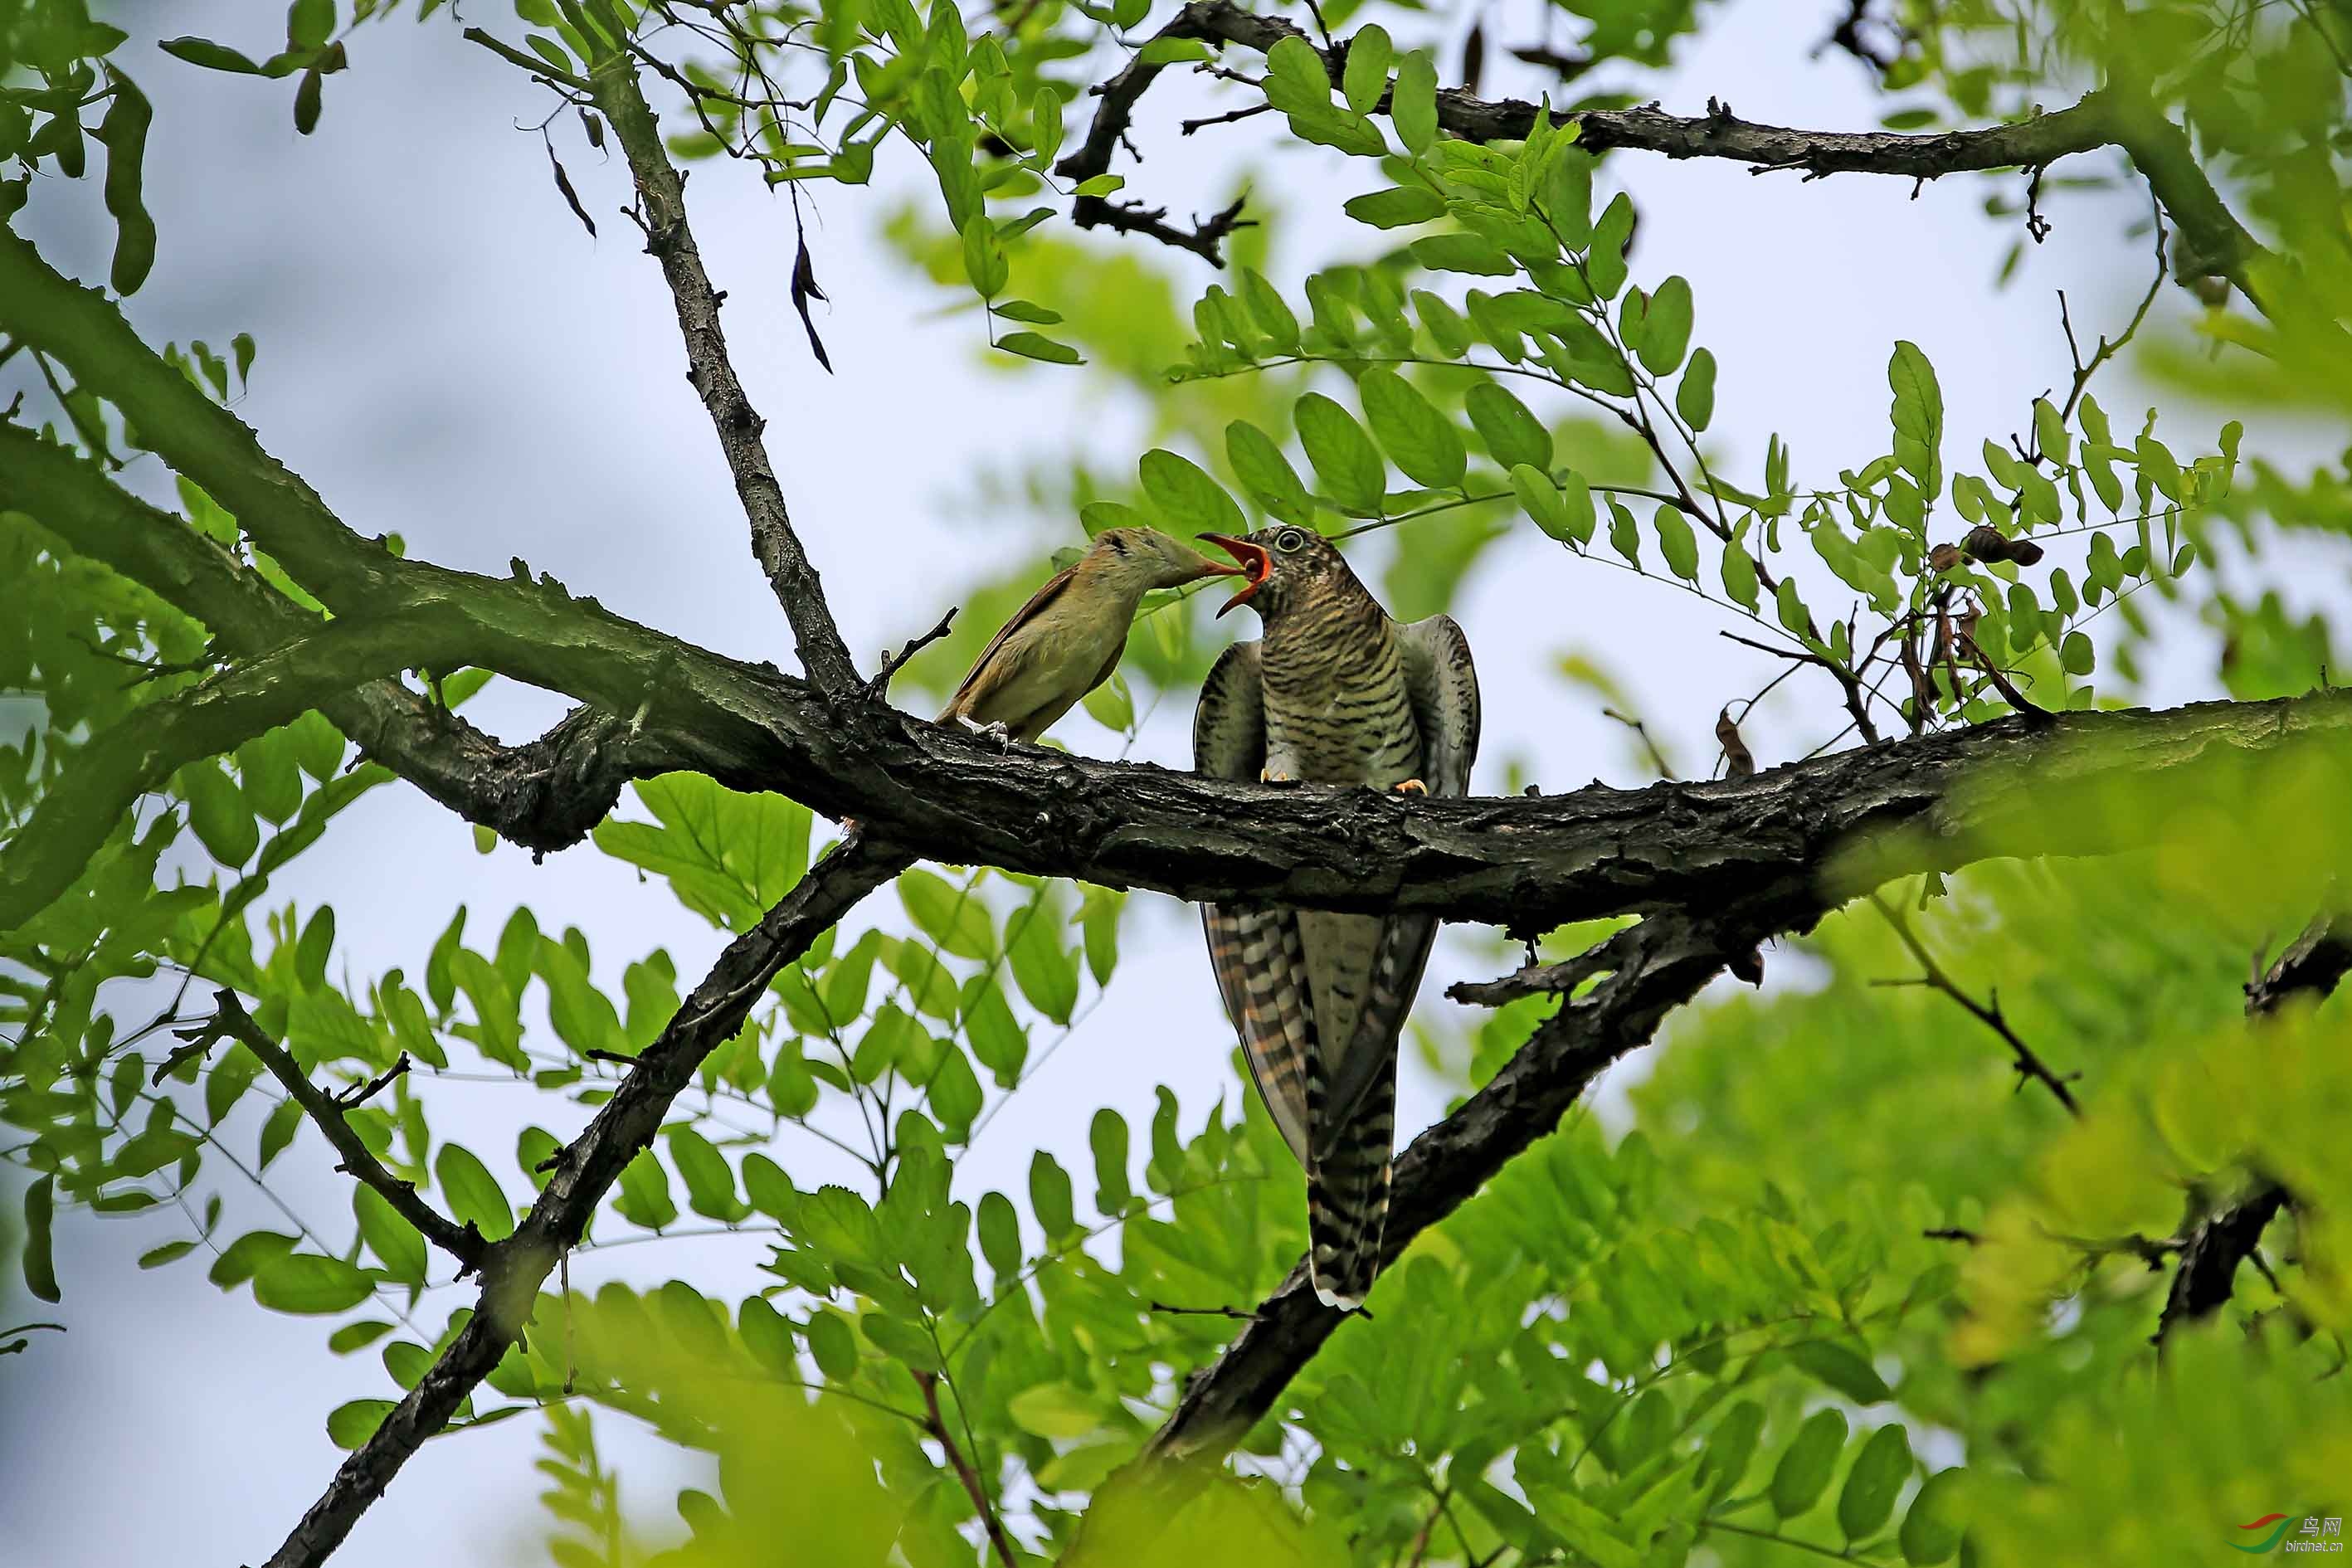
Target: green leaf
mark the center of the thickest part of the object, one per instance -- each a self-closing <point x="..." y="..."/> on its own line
<point x="1266" y="474"/>
<point x="2077" y="654"/>
<point x="395" y="1242"/>
<point x="709" y="1183"/>
<point x="1366" y="75"/>
<point x="1423" y="442"/>
<point x="1695" y="398"/>
<point x="123" y="129"/>
<point x="1567" y="196"/>
<point x="1049" y="1197"/>
<point x="728" y="855"/>
<point x="2050" y="431"/>
<point x="356" y="1336"/>
<point x="1295" y="78"/>
<point x="1101" y="186"/>
<point x="1677" y="542"/>
<point x="39" y="1260"/>
<point x="1513" y="436"/>
<point x="1000" y="1235"/>
<point x="1541" y="500"/>
<point x="1919" y="416"/>
<point x="1841" y="1369"/>
<point x="1730" y="1447"/>
<point x="1583" y="515"/>
<point x="1790" y="608"/>
<point x="1346" y="461"/>
<point x="1023" y="310"/>
<point x="1468" y="253"/>
<point x="955" y="918"/>
<point x="310" y="1283"/>
<point x="1031" y="345"/>
<point x="1412" y="105"/>
<point x="1605" y="264"/>
<point x="211" y="56"/>
<point x="1804" y="1468"/>
<point x="1047" y="972"/>
<point x="354" y="1422"/>
<point x="1046" y="124"/>
<point x="1624" y="537"/>
<point x="1660" y="332"/>
<point x="983" y="256"/>
<point x="1266" y="308"/>
<point x="1107" y="1138"/>
<point x="170" y="1252"/>
<point x="1397" y="207"/>
<point x="1879" y="1473"/>
<point x="832" y="1345"/>
<point x="1931" y="1527"/>
<point x="1055" y="1410"/>
<point x="472" y="1193"/>
<point x="645" y="1197"/>
<point x="1187" y="497"/>
<point x="1739" y="578"/>
<point x="218" y="812"/>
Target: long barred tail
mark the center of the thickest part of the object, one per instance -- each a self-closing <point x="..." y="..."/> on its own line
<point x="1348" y="1198"/>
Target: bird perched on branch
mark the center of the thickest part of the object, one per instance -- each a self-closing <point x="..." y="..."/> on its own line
<point x="1337" y="693"/>
<point x="1067" y="639"/>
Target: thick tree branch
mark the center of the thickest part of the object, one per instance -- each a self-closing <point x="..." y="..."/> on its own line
<point x="1525" y="863"/>
<point x="661" y="193"/>
<point x="543" y="795"/>
<point x="45" y="310"/>
<point x="583" y="1171"/>
<point x="1657" y="966"/>
<point x="462" y="1242"/>
<point x="2110" y="118"/>
<point x="139" y="752"/>
<point x="2207" y="1271"/>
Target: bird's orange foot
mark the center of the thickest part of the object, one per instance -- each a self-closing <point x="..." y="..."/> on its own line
<point x="1411" y="786"/>
<point x="1268" y="775"/>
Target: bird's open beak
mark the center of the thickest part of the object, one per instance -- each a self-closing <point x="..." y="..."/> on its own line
<point x="1256" y="565"/>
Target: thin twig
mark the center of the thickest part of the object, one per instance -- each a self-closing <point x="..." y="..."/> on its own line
<point x="936" y="1425"/>
<point x="2029" y="1064"/>
<point x="878" y="688"/>
<point x="462" y="1242"/>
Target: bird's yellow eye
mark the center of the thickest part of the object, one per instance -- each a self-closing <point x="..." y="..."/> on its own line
<point x="1289" y="540"/>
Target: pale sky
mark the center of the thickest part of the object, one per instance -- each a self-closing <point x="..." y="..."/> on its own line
<point x="444" y="353"/>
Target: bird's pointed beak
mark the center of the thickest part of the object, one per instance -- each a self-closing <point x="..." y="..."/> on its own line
<point x="1256" y="565"/>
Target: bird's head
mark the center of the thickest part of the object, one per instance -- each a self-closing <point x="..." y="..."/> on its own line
<point x="1282" y="565"/>
<point x="1148" y="559"/>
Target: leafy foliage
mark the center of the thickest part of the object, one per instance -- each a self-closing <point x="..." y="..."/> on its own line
<point x="1832" y="1286"/>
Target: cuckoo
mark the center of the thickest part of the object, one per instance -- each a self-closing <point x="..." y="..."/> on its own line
<point x="1334" y="693"/>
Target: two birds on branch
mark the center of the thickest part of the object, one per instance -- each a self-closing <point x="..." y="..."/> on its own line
<point x="1335" y="693"/>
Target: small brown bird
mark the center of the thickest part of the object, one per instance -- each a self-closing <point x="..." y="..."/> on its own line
<point x="1337" y="693"/>
<point x="1067" y="639"/>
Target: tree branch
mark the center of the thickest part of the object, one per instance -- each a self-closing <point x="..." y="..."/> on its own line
<point x="106" y="777"/>
<point x="2208" y="1273"/>
<point x="1528" y="864"/>
<point x="2110" y="118"/>
<point x="462" y="1242"/>
<point x="583" y="1171"/>
<point x="2029" y="1063"/>
<point x="661" y="192"/>
<point x="46" y="310"/>
<point x="1658" y="965"/>
<point x="543" y="795"/>
<point x="936" y="1425"/>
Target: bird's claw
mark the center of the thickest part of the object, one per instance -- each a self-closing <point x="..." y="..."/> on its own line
<point x="1410" y="786"/>
<point x="1269" y="776"/>
<point x="998" y="733"/>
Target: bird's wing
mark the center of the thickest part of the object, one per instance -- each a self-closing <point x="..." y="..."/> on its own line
<point x="981" y="677"/>
<point x="1442" y="686"/>
<point x="1260" y="971"/>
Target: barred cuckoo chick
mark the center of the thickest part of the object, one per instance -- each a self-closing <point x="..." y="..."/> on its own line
<point x="1336" y="693"/>
<point x="1067" y="639"/>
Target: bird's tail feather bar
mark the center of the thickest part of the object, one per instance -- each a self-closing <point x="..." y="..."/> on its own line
<point x="1348" y="1201"/>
